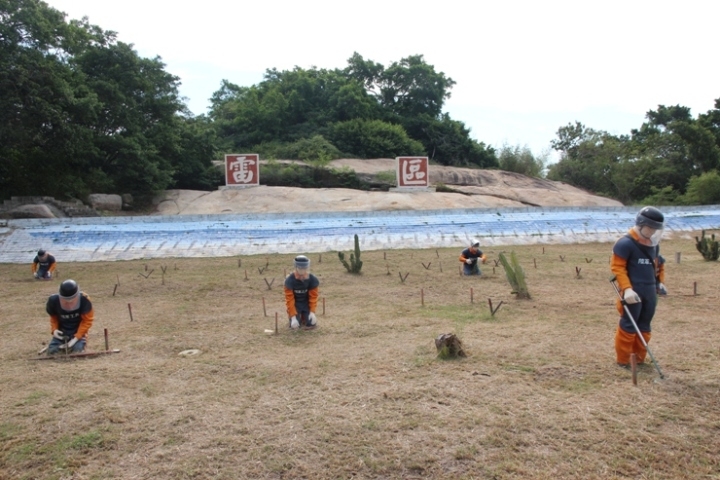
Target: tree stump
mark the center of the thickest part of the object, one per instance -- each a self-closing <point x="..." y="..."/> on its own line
<point x="449" y="346"/>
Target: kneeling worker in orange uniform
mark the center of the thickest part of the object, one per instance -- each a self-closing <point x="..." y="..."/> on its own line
<point x="639" y="270"/>
<point x="71" y="316"/>
<point x="470" y="257"/>
<point x="43" y="265"/>
<point x="301" y="294"/>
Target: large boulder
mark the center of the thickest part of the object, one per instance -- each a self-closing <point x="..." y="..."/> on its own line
<point x="31" y="211"/>
<point x="103" y="201"/>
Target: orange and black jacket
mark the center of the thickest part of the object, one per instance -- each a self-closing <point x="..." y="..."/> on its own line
<point x="301" y="295"/>
<point x="75" y="323"/>
<point x="477" y="254"/>
<point x="627" y="259"/>
<point x="47" y="265"/>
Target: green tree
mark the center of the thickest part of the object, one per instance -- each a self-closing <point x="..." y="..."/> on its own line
<point x="592" y="160"/>
<point x="38" y="95"/>
<point x="569" y="139"/>
<point x="412" y="87"/>
<point x="344" y="107"/>
<point x="673" y="137"/>
<point x="413" y="94"/>
<point x="192" y="161"/>
<point x="81" y="112"/>
<point x="521" y="160"/>
<point x="135" y="127"/>
<point x="711" y="121"/>
<point x="703" y="189"/>
<point x="374" y="139"/>
<point x="448" y="142"/>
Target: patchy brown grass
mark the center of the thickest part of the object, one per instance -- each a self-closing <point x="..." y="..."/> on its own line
<point x="364" y="395"/>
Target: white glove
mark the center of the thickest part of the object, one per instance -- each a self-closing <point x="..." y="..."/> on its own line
<point x="661" y="290"/>
<point x="312" y="319"/>
<point x="631" y="297"/>
<point x="72" y="342"/>
<point x="58" y="334"/>
<point x="468" y="261"/>
<point x="294" y="322"/>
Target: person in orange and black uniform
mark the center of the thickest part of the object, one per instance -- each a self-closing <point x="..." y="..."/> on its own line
<point x="470" y="257"/>
<point x="43" y="265"/>
<point x="301" y="294"/>
<point x="639" y="270"/>
<point x="71" y="316"/>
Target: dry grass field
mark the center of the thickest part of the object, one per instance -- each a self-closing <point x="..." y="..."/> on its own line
<point x="363" y="396"/>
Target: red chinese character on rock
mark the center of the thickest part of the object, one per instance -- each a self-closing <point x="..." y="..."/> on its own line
<point x="242" y="169"/>
<point x="412" y="172"/>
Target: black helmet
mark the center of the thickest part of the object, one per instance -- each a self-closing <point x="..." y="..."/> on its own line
<point x="650" y="217"/>
<point x="68" y="289"/>
<point x="301" y="261"/>
<point x="41" y="252"/>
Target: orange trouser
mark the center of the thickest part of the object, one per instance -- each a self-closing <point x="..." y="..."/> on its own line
<point x="627" y="343"/>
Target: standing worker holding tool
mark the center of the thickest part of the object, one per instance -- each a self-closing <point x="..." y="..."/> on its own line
<point x="71" y="316"/>
<point x="639" y="270"/>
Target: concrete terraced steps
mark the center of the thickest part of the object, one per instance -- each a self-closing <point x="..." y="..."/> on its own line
<point x="127" y="238"/>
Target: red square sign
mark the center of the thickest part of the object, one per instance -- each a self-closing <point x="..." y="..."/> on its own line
<point x="242" y="169"/>
<point x="413" y="172"/>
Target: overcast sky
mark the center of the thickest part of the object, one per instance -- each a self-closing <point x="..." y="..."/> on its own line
<point x="523" y="68"/>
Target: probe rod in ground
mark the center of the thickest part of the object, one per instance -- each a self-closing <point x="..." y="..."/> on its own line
<point x="637" y="330"/>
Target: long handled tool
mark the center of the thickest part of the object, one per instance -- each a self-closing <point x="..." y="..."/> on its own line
<point x="632" y="320"/>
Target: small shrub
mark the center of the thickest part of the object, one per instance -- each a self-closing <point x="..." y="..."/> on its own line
<point x="386" y="176"/>
<point x="355" y="264"/>
<point x="278" y="174"/>
<point x="708" y="247"/>
<point x="515" y="275"/>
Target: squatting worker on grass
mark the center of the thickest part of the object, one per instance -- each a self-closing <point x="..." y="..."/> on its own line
<point x="43" y="265"/>
<point x="71" y="316"/>
<point x="301" y="294"/>
<point x="470" y="257"/>
<point x="640" y="273"/>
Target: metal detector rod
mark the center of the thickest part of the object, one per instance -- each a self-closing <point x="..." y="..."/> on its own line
<point x="642" y="339"/>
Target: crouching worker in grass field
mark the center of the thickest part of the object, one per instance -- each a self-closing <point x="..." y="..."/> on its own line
<point x="71" y="316"/>
<point x="301" y="294"/>
<point x="639" y="270"/>
<point x="470" y="258"/>
<point x="43" y="265"/>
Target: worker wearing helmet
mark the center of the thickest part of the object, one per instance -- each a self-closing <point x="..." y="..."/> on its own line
<point x="640" y="273"/>
<point x="43" y="265"/>
<point x="470" y="258"/>
<point x="71" y="316"/>
<point x="301" y="294"/>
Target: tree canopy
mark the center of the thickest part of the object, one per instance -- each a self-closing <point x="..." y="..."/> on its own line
<point x="82" y="112"/>
<point x="363" y="111"/>
<point x="664" y="161"/>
